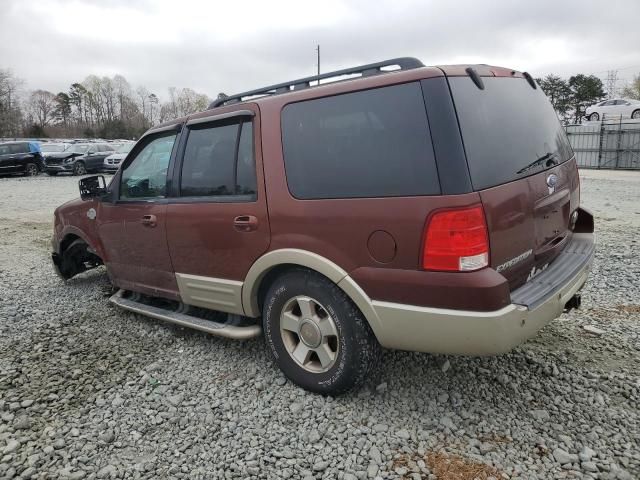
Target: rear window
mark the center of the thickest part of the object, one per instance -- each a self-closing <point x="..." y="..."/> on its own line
<point x="509" y="130"/>
<point x="372" y="143"/>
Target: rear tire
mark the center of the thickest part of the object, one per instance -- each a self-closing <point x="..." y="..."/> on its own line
<point x="594" y="117"/>
<point x="31" y="170"/>
<point x="79" y="168"/>
<point x="635" y="115"/>
<point x="316" y="334"/>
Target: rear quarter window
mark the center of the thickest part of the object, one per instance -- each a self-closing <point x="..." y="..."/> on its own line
<point x="372" y="143"/>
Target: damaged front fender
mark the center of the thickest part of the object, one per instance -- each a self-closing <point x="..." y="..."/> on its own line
<point x="78" y="257"/>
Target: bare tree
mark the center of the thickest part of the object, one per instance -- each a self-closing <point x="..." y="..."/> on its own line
<point x="42" y="105"/>
<point x="633" y="89"/>
<point x="10" y="111"/>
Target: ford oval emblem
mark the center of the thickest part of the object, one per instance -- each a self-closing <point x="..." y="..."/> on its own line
<point x="552" y="180"/>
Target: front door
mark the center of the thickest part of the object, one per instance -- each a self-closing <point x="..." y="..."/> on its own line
<point x="217" y="222"/>
<point x="133" y="229"/>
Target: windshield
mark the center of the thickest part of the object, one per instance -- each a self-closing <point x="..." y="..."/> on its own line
<point x="78" y="148"/>
<point x="124" y="148"/>
<point x="52" y="147"/>
<point x="509" y="130"/>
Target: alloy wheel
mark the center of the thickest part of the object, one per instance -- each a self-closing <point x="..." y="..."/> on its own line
<point x="80" y="169"/>
<point x="309" y="334"/>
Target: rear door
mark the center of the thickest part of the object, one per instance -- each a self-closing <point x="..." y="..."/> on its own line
<point x="217" y="221"/>
<point x="522" y="165"/>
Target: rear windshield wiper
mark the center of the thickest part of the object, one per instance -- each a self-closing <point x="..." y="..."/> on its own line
<point x="548" y="158"/>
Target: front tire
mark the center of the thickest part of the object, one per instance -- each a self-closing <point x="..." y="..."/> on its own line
<point x="317" y="336"/>
<point x="594" y="117"/>
<point x="31" y="170"/>
<point x="79" y="168"/>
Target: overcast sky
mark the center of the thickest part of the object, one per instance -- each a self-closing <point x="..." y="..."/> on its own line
<point x="230" y="46"/>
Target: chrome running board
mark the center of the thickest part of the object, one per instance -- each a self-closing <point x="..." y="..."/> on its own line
<point x="207" y="326"/>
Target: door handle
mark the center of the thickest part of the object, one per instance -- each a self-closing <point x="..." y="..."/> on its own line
<point x="245" y="223"/>
<point x="149" y="220"/>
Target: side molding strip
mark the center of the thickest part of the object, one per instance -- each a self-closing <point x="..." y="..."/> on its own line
<point x="213" y="293"/>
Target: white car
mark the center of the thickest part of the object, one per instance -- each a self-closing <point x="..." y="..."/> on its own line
<point x="112" y="162"/>
<point x="614" y="108"/>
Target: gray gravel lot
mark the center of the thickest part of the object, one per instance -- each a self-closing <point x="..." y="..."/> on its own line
<point x="89" y="391"/>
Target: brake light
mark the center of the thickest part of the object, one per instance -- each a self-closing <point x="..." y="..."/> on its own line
<point x="456" y="240"/>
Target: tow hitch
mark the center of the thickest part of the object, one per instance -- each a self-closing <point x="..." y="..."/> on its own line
<point x="574" y="302"/>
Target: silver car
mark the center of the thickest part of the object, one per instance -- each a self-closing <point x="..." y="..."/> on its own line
<point x="614" y="108"/>
<point x="113" y="161"/>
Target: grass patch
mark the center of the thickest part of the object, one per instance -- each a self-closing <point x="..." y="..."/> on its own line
<point x="446" y="466"/>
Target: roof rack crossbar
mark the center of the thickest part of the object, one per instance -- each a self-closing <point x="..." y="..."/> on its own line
<point x="404" y="63"/>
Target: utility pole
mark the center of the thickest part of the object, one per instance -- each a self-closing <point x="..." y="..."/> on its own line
<point x="318" y="50"/>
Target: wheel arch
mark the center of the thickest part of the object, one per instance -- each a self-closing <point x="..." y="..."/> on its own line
<point x="70" y="234"/>
<point x="270" y="265"/>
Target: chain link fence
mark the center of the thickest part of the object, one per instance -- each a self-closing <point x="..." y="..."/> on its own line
<point x="606" y="144"/>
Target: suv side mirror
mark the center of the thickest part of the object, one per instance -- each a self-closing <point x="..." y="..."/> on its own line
<point x="92" y="187"/>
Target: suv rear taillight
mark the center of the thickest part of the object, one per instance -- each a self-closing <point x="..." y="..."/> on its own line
<point x="456" y="240"/>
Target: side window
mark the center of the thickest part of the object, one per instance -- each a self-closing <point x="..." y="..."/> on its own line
<point x="219" y="161"/>
<point x="372" y="143"/>
<point x="246" y="177"/>
<point x="19" y="148"/>
<point x="146" y="176"/>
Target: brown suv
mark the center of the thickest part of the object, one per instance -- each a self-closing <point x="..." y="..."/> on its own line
<point x="433" y="209"/>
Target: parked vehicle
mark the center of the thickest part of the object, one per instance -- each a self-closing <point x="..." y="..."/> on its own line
<point x="614" y="108"/>
<point x="112" y="162"/>
<point x="433" y="209"/>
<point x="20" y="157"/>
<point x="78" y="159"/>
<point x="50" y="148"/>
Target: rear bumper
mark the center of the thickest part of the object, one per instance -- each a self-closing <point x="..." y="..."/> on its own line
<point x="434" y="330"/>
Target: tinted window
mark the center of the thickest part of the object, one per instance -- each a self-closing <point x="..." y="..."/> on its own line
<point x="217" y="162"/>
<point x="509" y="130"/>
<point x="246" y="177"/>
<point x="373" y="143"/>
<point x="146" y="175"/>
<point x="19" y="148"/>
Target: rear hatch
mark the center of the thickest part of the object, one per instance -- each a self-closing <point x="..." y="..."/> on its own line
<point x="522" y="165"/>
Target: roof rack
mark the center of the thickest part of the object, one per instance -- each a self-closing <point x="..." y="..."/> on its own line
<point x="403" y="63"/>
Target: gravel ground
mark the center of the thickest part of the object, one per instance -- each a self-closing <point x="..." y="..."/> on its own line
<point x="89" y="391"/>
